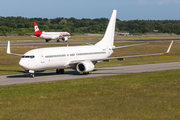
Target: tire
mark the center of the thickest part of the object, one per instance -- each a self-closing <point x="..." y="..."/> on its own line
<point x="57" y="71"/>
<point x="61" y="71"/>
<point x="31" y="75"/>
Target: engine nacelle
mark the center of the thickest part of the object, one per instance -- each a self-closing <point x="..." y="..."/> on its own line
<point x="65" y="38"/>
<point x="85" y="66"/>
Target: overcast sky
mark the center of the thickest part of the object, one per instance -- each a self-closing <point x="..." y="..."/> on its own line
<point x="127" y="9"/>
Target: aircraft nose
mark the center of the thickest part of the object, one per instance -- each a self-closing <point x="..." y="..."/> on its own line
<point x="23" y="63"/>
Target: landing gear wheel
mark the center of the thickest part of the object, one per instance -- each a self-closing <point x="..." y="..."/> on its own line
<point x="31" y="75"/>
<point x="47" y="40"/>
<point x="61" y="71"/>
<point x="58" y="40"/>
<point x="86" y="73"/>
<point x="57" y="71"/>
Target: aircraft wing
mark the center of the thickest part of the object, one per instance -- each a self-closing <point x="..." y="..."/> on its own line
<point x="123" y="57"/>
<point x="74" y="62"/>
<point x="123" y="46"/>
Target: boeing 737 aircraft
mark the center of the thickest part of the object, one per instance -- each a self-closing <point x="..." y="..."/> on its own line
<point x="81" y="58"/>
<point x="51" y="35"/>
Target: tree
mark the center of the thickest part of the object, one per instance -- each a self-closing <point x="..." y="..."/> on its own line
<point x="63" y="22"/>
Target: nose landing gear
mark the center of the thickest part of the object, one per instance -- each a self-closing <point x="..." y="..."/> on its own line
<point x="31" y="75"/>
<point x="58" y="71"/>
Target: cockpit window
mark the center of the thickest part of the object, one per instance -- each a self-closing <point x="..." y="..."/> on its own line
<point x="31" y="56"/>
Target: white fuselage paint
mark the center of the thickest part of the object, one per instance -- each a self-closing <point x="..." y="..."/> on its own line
<point x="61" y="57"/>
<point x="53" y="35"/>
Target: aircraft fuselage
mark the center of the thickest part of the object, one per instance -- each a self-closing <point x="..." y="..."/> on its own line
<point x="60" y="57"/>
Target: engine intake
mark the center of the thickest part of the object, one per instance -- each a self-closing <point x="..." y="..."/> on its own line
<point x="85" y="66"/>
<point x="65" y="38"/>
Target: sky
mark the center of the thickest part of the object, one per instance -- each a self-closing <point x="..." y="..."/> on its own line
<point x="126" y="9"/>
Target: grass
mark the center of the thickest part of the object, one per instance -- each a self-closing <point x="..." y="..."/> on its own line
<point x="153" y="95"/>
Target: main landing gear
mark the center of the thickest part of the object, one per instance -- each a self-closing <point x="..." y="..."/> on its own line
<point x="86" y="73"/>
<point x="58" y="71"/>
<point x="47" y="40"/>
<point x="58" y="40"/>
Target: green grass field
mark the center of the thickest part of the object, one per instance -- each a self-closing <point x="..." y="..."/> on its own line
<point x="145" y="96"/>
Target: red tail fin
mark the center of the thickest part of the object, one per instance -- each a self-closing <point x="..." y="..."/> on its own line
<point x="36" y="27"/>
<point x="37" y="31"/>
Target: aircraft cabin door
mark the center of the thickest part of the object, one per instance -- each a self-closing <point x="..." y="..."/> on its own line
<point x="42" y="59"/>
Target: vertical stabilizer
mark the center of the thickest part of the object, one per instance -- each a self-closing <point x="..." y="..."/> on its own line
<point x="108" y="39"/>
<point x="37" y="31"/>
<point x="36" y="27"/>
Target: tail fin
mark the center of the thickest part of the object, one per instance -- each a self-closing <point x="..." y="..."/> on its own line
<point x="108" y="38"/>
<point x="36" y="27"/>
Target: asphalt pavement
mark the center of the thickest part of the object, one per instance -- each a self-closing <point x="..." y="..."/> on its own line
<point x="70" y="74"/>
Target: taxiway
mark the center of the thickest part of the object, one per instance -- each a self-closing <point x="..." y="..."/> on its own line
<point x="70" y="74"/>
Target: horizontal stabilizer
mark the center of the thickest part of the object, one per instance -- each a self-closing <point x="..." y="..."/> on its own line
<point x="129" y="45"/>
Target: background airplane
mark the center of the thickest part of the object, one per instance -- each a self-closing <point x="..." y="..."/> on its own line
<point x="81" y="58"/>
<point x="51" y="35"/>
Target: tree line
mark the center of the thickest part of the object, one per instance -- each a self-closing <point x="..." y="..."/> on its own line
<point x="22" y="25"/>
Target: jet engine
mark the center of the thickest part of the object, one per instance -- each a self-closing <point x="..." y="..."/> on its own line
<point x="85" y="67"/>
<point x="65" y="39"/>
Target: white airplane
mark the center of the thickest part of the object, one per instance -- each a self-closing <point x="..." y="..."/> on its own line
<point x="51" y="35"/>
<point x="81" y="58"/>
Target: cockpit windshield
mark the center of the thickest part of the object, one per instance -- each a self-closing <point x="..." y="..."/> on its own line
<point x="26" y="56"/>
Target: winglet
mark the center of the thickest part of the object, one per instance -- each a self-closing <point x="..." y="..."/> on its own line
<point x="8" y="48"/>
<point x="169" y="47"/>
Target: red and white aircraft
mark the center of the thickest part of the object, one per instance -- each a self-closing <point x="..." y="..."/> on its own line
<point x="51" y="35"/>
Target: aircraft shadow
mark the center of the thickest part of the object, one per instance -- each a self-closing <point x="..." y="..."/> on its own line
<point x="18" y="76"/>
<point x="11" y="71"/>
<point x="39" y="74"/>
<point x="43" y="74"/>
